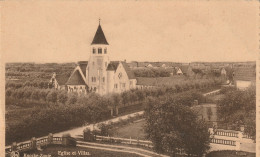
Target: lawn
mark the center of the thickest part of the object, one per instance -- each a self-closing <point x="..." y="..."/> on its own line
<point x="58" y="151"/>
<point x="134" y="130"/>
<point x="230" y="153"/>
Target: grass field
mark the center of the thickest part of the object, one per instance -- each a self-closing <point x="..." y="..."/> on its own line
<point x="58" y="151"/>
<point x="134" y="130"/>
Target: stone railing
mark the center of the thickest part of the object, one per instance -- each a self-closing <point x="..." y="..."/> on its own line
<point x="125" y="141"/>
<point x="247" y="136"/>
<point x="33" y="144"/>
<point x="228" y="133"/>
<point x="223" y="142"/>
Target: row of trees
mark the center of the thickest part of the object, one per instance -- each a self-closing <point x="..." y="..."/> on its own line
<point x="124" y="99"/>
<point x="35" y="83"/>
<point x="162" y="72"/>
<point x="41" y="121"/>
<point x="33" y="67"/>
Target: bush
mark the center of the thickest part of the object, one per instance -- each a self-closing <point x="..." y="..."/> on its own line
<point x="52" y="96"/>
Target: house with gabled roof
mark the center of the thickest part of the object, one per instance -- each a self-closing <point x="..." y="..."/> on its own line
<point x="244" y="77"/>
<point x="184" y="70"/>
<point x="58" y="81"/>
<point x="99" y="74"/>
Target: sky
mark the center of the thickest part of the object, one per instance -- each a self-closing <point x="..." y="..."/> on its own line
<point x="62" y="31"/>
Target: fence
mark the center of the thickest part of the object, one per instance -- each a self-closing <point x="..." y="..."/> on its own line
<point x="228" y="133"/>
<point x="138" y="142"/>
<point x="34" y="143"/>
<point x="223" y="142"/>
<point x="212" y="93"/>
<point x="232" y="145"/>
<point x="247" y="136"/>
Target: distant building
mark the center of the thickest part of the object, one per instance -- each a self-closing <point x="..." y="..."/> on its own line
<point x="149" y="65"/>
<point x="178" y="71"/>
<point x="244" y="77"/>
<point x="184" y="70"/>
<point x="223" y="72"/>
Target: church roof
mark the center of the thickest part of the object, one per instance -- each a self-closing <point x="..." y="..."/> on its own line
<point x="83" y="65"/>
<point x="112" y="66"/>
<point x="61" y="79"/>
<point x="99" y="37"/>
<point x="128" y="71"/>
<point x="76" y="79"/>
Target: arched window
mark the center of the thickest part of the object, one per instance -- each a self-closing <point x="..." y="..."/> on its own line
<point x="94" y="51"/>
<point x="99" y="50"/>
<point x="105" y="51"/>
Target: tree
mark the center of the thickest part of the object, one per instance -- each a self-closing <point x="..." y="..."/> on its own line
<point x="238" y="108"/>
<point x="52" y="96"/>
<point x="43" y="94"/>
<point x="35" y="94"/>
<point x="27" y="93"/>
<point x="209" y="113"/>
<point x="62" y="97"/>
<point x="172" y="126"/>
<point x="72" y="98"/>
<point x="8" y="92"/>
<point x="125" y="97"/>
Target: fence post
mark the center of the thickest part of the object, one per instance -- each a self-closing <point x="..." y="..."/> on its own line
<point x="14" y="146"/>
<point x="211" y="131"/>
<point x="237" y="145"/>
<point x="116" y="110"/>
<point x="33" y="143"/>
<point x="112" y="114"/>
<point x="65" y="139"/>
<point x="50" y="138"/>
<point x="240" y="135"/>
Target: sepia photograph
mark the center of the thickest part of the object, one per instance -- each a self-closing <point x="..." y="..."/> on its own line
<point x="129" y="78"/>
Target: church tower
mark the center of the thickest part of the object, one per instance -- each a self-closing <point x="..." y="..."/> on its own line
<point x="96" y="71"/>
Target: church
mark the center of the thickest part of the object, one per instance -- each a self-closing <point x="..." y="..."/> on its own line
<point x="98" y="74"/>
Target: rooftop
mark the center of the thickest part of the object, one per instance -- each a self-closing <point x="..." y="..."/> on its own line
<point x="99" y="37"/>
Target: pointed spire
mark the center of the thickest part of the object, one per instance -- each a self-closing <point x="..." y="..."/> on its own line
<point x="99" y="37"/>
